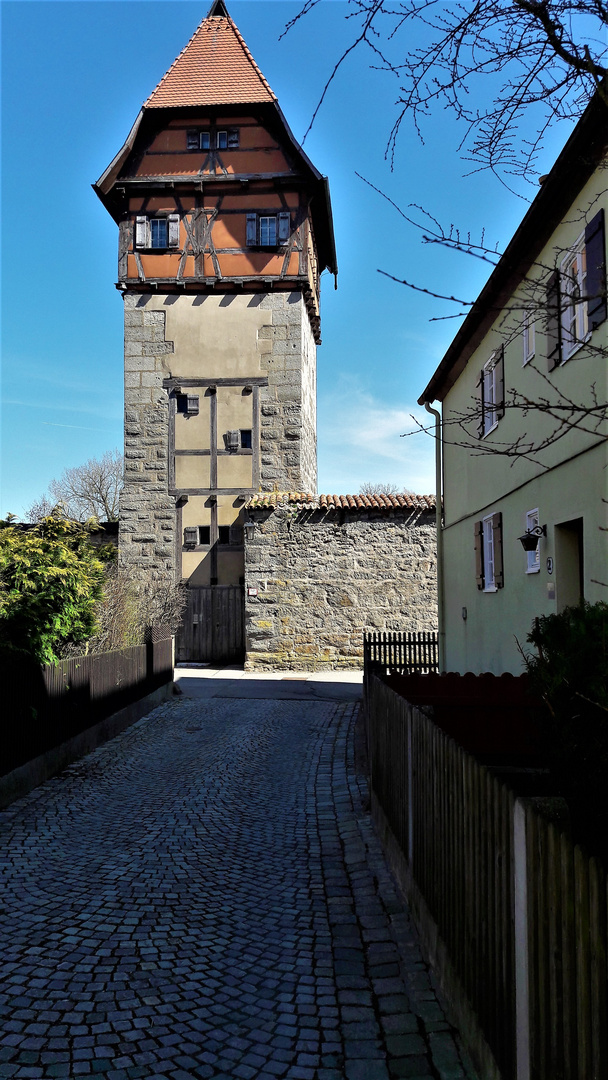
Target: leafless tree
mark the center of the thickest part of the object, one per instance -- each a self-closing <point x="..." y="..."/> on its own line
<point x="91" y="490"/>
<point x="128" y="611"/>
<point x="372" y="488"/>
<point x="544" y="57"/>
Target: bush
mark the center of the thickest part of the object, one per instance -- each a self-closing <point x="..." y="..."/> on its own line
<point x="50" y="581"/>
<point x="569" y="671"/>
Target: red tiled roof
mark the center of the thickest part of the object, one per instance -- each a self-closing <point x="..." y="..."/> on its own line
<point x="215" y="68"/>
<point x="269" y="500"/>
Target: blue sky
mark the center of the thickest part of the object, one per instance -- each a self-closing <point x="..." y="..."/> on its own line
<point x="74" y="74"/>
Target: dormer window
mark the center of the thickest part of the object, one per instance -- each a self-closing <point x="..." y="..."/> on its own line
<point x="225" y="139"/>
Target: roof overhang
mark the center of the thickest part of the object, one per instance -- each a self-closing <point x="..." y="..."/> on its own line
<point x="577" y="162"/>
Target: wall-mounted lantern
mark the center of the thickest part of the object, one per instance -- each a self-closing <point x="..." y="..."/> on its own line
<point x="249" y="530"/>
<point x="529" y="540"/>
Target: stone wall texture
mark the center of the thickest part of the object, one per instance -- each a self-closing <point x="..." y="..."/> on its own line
<point x="147" y="511"/>
<point x="323" y="577"/>
<point x="288" y="421"/>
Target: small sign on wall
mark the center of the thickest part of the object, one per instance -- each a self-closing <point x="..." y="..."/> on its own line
<point x="251" y="590"/>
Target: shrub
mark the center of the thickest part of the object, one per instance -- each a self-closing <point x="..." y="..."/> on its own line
<point x="50" y="581"/>
<point x="569" y="671"/>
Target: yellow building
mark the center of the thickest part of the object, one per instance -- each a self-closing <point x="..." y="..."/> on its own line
<point x="523" y="390"/>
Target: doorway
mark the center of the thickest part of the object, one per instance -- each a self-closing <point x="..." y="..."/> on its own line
<point x="569" y="565"/>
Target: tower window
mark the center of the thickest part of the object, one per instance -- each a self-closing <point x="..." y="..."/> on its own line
<point x="246" y="439"/>
<point x="158" y="232"/>
<point x="204" y="140"/>
<point x="187" y="404"/>
<point x="268" y="230"/>
<point x="223" y="534"/>
<point x="197" y="536"/>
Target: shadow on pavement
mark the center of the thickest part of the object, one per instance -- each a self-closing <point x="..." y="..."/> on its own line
<point x="275" y="689"/>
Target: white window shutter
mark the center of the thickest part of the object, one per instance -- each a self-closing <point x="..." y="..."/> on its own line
<point x="142" y="232"/>
<point x="173" y="230"/>
<point x="252" y="230"/>
<point x="284" y="225"/>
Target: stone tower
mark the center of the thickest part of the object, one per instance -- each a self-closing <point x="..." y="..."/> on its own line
<point x="224" y="229"/>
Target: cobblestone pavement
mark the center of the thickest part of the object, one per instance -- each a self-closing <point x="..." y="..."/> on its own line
<point x="204" y="897"/>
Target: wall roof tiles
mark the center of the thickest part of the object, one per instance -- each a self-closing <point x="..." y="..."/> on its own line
<point x="269" y="500"/>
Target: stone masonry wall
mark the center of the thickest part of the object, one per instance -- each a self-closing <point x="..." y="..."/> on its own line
<point x="147" y="511"/>
<point x="323" y="577"/>
<point x="288" y="458"/>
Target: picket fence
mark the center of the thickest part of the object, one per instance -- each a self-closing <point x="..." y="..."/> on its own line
<point x="518" y="910"/>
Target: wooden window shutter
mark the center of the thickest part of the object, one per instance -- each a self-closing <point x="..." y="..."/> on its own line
<point x="479" y="554"/>
<point x="499" y="577"/>
<point x="595" y="245"/>
<point x="499" y="382"/>
<point x="252" y="230"/>
<point x="481" y="402"/>
<point x="173" y="230"/>
<point x="284" y="226"/>
<point x="142" y="231"/>
<point x="554" y="322"/>
<point x="191" y="535"/>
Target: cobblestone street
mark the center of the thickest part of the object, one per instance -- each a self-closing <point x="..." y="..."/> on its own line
<point x="204" y="897"/>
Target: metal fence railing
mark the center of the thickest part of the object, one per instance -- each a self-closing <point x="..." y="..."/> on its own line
<point x="413" y="652"/>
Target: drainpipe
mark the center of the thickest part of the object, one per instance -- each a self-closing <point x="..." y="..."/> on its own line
<point x="438" y="511"/>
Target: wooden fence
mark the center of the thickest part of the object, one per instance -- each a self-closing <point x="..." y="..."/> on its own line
<point x="518" y="911"/>
<point x="43" y="707"/>
<point x="401" y="651"/>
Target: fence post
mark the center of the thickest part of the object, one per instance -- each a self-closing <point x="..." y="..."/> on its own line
<point x="410" y="794"/>
<point x="522" y="972"/>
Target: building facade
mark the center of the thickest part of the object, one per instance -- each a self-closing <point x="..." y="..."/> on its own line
<point x="523" y="389"/>
<point x="224" y="229"/>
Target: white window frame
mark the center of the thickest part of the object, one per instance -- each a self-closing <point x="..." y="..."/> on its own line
<point x="204" y="135"/>
<point x="271" y="227"/>
<point x="489" y="577"/>
<point x="529" y="337"/>
<point x="573" y="288"/>
<point x="533" y="557"/>
<point x="156" y="221"/>
<point x="490" y="403"/>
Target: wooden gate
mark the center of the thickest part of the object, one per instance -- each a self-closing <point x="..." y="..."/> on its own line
<point x="213" y="630"/>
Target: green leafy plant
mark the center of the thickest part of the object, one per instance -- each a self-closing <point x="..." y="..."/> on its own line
<point x="50" y="580"/>
<point x="569" y="671"/>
